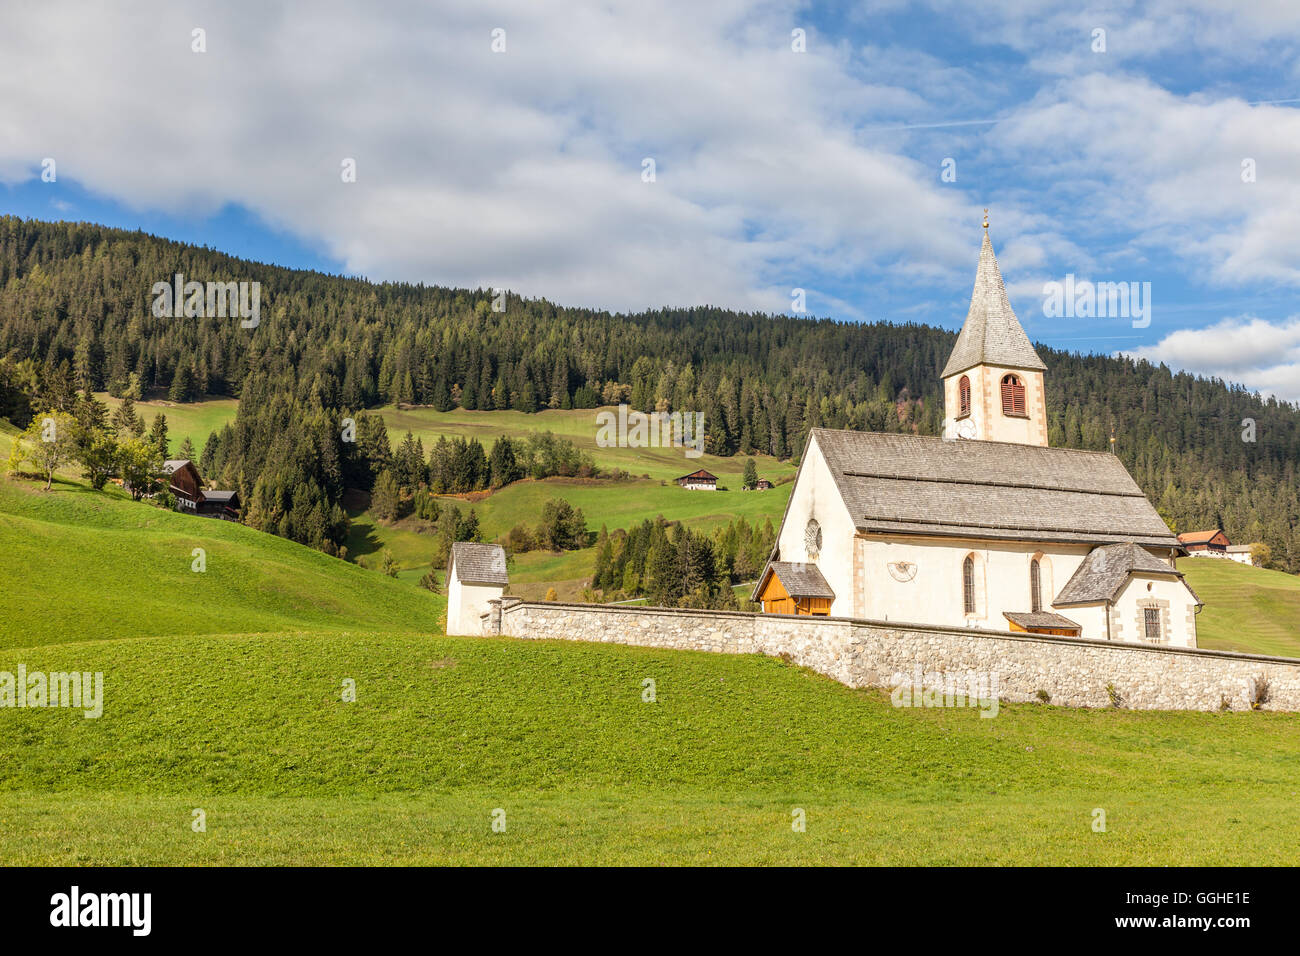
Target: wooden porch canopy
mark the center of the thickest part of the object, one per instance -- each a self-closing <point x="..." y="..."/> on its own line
<point x="788" y="587"/>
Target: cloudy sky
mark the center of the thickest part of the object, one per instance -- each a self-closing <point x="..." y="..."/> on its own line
<point x="1131" y="142"/>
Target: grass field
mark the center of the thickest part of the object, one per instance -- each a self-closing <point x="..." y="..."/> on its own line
<point x="79" y="565"/>
<point x="580" y="427"/>
<point x="252" y="729"/>
<point x="225" y="694"/>
<point x="1247" y="609"/>
<point x="195" y="420"/>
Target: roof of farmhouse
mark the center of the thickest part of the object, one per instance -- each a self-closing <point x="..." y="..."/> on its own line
<point x="1199" y="537"/>
<point x="991" y="334"/>
<point x="907" y="484"/>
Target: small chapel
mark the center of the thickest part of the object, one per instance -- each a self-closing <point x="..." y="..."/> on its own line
<point x="987" y="527"/>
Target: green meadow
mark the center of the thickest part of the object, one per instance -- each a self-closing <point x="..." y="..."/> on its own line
<point x="193" y="420"/>
<point x="1246" y="609"/>
<point x="224" y="692"/>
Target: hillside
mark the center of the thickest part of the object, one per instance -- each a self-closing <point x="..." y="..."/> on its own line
<point x="1247" y="609"/>
<point x="613" y="504"/>
<point x="223" y="692"/>
<point x="85" y="566"/>
<point x="75" y="306"/>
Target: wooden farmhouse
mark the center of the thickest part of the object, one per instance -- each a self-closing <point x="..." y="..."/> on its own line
<point x="186" y="486"/>
<point x="699" y="481"/>
<point x="1215" y="544"/>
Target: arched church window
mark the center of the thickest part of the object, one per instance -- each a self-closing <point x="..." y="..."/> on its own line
<point x="1013" y="396"/>
<point x="968" y="584"/>
<point x="1035" y="586"/>
<point x="963" y="396"/>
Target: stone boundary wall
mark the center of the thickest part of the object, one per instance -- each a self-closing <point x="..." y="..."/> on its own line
<point x="1076" y="672"/>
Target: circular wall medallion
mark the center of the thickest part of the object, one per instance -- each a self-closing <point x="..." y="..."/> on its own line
<point x="812" y="538"/>
<point x="966" y="428"/>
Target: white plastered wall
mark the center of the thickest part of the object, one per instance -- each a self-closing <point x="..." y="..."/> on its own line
<point x="1168" y="595"/>
<point x="986" y="405"/>
<point x="816" y="496"/>
<point x="934" y="593"/>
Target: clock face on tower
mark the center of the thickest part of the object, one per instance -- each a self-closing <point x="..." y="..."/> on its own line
<point x="966" y="428"/>
<point x="812" y="538"/>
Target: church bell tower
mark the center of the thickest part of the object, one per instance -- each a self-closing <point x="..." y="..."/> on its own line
<point x="993" y="382"/>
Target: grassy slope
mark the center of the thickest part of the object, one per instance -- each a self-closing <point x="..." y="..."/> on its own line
<point x="252" y="729"/>
<point x="616" y="505"/>
<point x="195" y="420"/>
<point x="249" y="725"/>
<point x="1247" y="609"/>
<point x="82" y="566"/>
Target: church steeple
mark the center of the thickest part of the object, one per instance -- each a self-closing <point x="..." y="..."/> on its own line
<point x="993" y="382"/>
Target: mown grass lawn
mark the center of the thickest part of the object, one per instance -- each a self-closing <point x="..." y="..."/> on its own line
<point x="1246" y="609"/>
<point x="253" y="730"/>
<point x="79" y="565"/>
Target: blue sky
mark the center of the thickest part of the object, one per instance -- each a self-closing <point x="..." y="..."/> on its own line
<point x="1112" y="161"/>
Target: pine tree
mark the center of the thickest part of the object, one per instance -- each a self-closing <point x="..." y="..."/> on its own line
<point x="158" y="435"/>
<point x="385" y="500"/>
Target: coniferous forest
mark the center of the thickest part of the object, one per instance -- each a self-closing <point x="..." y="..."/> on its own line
<point x="76" y="314"/>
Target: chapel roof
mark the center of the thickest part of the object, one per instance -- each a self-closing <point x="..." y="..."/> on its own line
<point x="909" y="484"/>
<point x="1105" y="570"/>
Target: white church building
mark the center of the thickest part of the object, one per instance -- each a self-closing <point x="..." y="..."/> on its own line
<point x="987" y="527"/>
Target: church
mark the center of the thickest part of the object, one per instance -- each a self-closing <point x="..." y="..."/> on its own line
<point x="986" y="527"/>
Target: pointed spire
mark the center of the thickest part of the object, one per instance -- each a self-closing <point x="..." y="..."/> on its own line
<point x="992" y="334"/>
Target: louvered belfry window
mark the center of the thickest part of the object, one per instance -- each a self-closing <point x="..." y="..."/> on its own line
<point x="1035" y="587"/>
<point x="1013" y="396"/>
<point x="963" y="393"/>
<point x="968" y="584"/>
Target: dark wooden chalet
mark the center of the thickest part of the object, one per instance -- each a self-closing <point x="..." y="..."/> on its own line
<point x="186" y="485"/>
<point x="700" y="480"/>
<point x="1213" y="542"/>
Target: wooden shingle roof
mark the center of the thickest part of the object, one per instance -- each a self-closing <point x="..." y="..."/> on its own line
<point x="478" y="563"/>
<point x="1103" y="572"/>
<point x="799" y="579"/>
<point x="909" y="484"/>
<point x="1028" y="619"/>
<point x="991" y="334"/>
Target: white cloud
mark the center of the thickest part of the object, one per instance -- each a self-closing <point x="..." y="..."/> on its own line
<point x="1138" y="160"/>
<point x="519" y="169"/>
<point x="1265" y="356"/>
<point x="523" y="169"/>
